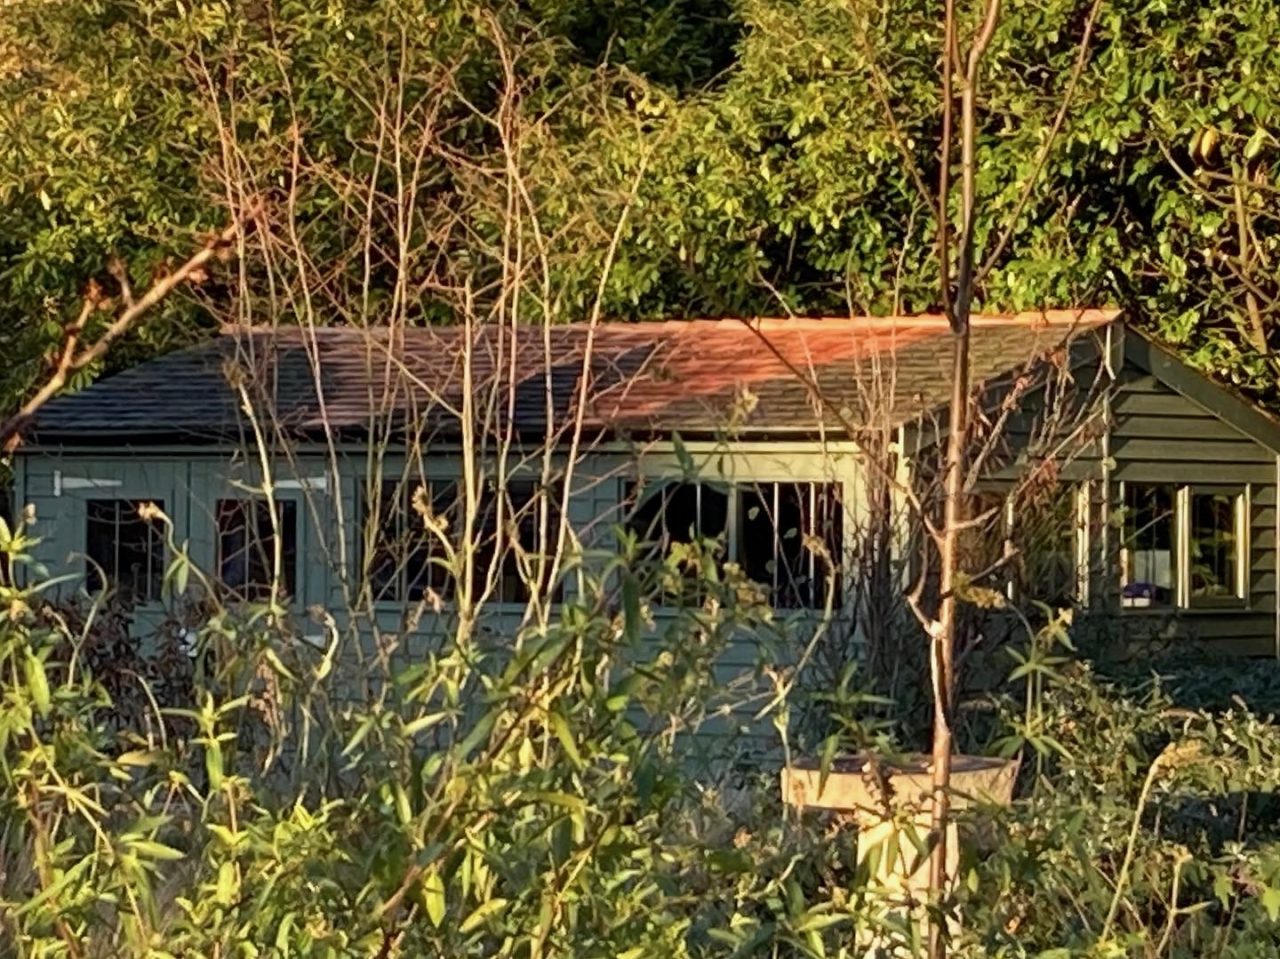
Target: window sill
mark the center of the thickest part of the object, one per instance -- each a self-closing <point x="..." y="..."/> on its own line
<point x="409" y="605"/>
<point x="1139" y="612"/>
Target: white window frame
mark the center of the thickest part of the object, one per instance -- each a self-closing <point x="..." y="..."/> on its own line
<point x="1182" y="497"/>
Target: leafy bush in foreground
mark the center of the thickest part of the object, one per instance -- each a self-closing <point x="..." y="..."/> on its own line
<point x="543" y="803"/>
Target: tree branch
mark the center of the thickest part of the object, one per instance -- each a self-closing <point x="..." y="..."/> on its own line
<point x="72" y="359"/>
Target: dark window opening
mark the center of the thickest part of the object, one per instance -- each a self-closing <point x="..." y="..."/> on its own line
<point x="408" y="561"/>
<point x="789" y="535"/>
<point x="984" y="542"/>
<point x="512" y="544"/>
<point x="1148" y="560"/>
<point x="790" y="541"/>
<point x="678" y="513"/>
<point x="124" y="550"/>
<point x="247" y="546"/>
<point x="1045" y="535"/>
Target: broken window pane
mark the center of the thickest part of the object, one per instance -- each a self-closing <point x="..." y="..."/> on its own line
<point x="124" y="548"/>
<point x="247" y="546"/>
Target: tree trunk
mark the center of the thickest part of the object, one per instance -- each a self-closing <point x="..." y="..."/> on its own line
<point x="944" y="633"/>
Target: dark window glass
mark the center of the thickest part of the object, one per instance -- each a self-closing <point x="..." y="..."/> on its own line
<point x="124" y="548"/>
<point x="1045" y="534"/>
<point x="790" y="541"/>
<point x="1148" y="562"/>
<point x="247" y="546"/>
<point x="984" y="541"/>
<point x="674" y="514"/>
<point x="1216" y="545"/>
<point x="510" y="539"/>
<point x="678" y="513"/>
<point x="407" y="559"/>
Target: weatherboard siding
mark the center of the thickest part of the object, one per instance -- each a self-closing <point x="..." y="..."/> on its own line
<point x="1161" y="436"/>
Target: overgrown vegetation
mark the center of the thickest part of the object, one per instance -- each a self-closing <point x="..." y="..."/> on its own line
<point x="255" y="785"/>
<point x="547" y="802"/>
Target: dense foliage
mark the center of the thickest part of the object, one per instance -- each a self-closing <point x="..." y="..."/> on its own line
<point x="544" y="159"/>
<point x="769" y="151"/>
<point x="549" y="803"/>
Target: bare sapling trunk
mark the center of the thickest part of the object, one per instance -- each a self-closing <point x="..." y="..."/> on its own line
<point x="957" y="297"/>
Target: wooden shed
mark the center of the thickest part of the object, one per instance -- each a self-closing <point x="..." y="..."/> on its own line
<point x="284" y="457"/>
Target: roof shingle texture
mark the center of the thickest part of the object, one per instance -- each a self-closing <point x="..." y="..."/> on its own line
<point x="763" y="376"/>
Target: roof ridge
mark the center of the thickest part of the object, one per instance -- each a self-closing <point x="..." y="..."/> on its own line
<point x="1059" y="316"/>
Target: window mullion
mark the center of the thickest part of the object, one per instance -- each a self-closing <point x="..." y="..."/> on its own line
<point x="1182" y="546"/>
<point x="1081" y="541"/>
<point x="1244" y="509"/>
<point x="809" y="528"/>
<point x="776" y="546"/>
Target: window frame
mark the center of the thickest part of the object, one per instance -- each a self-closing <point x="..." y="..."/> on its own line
<point x="1080" y="493"/>
<point x="636" y="491"/>
<point x="498" y="599"/>
<point x="1183" y="600"/>
<point x="369" y="543"/>
<point x="293" y="579"/>
<point x="108" y="579"/>
<point x="1176" y="546"/>
<point x="1240" y="503"/>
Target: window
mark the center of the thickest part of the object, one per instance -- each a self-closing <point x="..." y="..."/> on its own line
<point x="1216" y="546"/>
<point x="407" y="560"/>
<point x="1183" y="546"/>
<point x="678" y="513"/>
<point x="984" y="546"/>
<point x="124" y="548"/>
<point x="1048" y="533"/>
<point x="1148" y="564"/>
<point x="785" y="536"/>
<point x="790" y="541"/>
<point x="510" y="541"/>
<point x="1029" y="545"/>
<point x="248" y="546"/>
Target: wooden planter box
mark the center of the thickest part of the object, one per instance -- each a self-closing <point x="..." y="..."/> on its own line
<point x="890" y="804"/>
<point x="856" y="785"/>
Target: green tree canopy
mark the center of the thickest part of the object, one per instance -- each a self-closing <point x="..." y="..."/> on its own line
<point x="771" y="156"/>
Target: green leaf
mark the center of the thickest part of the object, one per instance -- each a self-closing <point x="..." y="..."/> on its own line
<point x="37" y="682"/>
<point x="481" y="914"/>
<point x="213" y="765"/>
<point x="225" y="891"/>
<point x="433" y="900"/>
<point x="282" y="933"/>
<point x="416" y="726"/>
<point x="155" y="850"/>
<point x="1271" y="902"/>
<point x="560" y="726"/>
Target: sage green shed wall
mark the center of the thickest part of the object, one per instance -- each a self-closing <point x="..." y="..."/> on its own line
<point x="330" y="496"/>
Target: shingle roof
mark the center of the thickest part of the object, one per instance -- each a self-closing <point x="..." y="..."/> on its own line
<point x="763" y="376"/>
